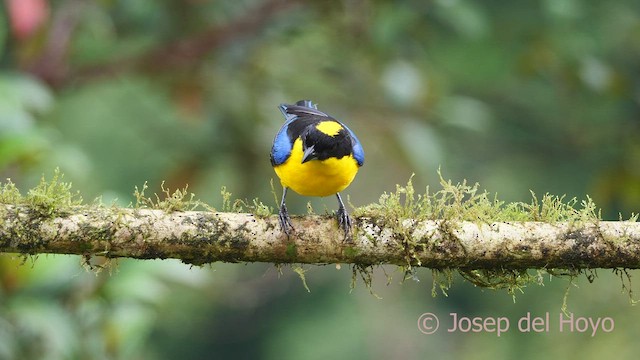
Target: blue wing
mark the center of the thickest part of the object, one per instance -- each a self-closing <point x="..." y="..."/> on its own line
<point x="282" y="145"/>
<point x="358" y="151"/>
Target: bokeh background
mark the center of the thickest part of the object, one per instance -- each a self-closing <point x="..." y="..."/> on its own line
<point x="518" y="96"/>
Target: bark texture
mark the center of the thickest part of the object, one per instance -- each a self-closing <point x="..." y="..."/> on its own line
<point x="200" y="237"/>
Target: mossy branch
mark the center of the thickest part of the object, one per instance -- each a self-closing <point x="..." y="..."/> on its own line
<point x="200" y="237"/>
<point x="456" y="228"/>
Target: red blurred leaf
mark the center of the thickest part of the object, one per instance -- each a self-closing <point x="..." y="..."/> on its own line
<point x="27" y="16"/>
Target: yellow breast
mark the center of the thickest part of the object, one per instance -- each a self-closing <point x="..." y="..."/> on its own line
<point x="316" y="177"/>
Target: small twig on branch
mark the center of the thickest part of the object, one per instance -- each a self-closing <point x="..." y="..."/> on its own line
<point x="200" y="237"/>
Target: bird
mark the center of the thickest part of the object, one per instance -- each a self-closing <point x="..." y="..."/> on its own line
<point x="314" y="154"/>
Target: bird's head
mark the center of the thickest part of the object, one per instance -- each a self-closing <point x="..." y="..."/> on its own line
<point x="325" y="139"/>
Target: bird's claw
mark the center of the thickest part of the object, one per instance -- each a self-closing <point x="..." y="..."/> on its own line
<point x="285" y="220"/>
<point x="344" y="221"/>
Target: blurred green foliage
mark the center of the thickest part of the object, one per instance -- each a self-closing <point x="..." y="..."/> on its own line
<point x="518" y="96"/>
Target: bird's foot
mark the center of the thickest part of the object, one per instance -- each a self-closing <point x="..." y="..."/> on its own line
<point x="344" y="222"/>
<point x="285" y="220"/>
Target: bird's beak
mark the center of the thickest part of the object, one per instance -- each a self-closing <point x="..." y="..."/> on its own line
<point x="309" y="154"/>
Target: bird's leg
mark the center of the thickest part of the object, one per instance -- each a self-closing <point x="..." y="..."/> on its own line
<point x="344" y="221"/>
<point x="283" y="214"/>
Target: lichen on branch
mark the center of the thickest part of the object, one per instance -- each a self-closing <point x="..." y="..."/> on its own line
<point x="458" y="227"/>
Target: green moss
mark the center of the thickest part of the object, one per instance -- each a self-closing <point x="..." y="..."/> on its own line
<point x="350" y="252"/>
<point x="179" y="200"/>
<point x="457" y="202"/>
<point x="301" y="271"/>
<point x="450" y="204"/>
<point x="513" y="280"/>
<point x="226" y="200"/>
<point x="261" y="210"/>
<point x="255" y="206"/>
<point x="9" y="193"/>
<point x="625" y="282"/>
<point x="292" y="250"/>
<point x="365" y="272"/>
<point x="442" y="279"/>
<point x="50" y="198"/>
<point x="464" y="202"/>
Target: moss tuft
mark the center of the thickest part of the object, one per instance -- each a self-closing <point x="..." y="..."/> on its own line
<point x="456" y="202"/>
<point x="291" y="251"/>
<point x="365" y="272"/>
<point x="179" y="200"/>
<point x="451" y="204"/>
<point x="255" y="206"/>
<point x="300" y="271"/>
<point x="9" y="193"/>
<point x="442" y="280"/>
<point x="464" y="202"/>
<point x="53" y="197"/>
<point x="350" y="252"/>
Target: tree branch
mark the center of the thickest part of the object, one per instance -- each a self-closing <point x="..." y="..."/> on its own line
<point x="200" y="237"/>
<point x="191" y="49"/>
<point x="185" y="52"/>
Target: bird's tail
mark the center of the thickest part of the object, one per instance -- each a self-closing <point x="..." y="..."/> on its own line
<point x="307" y="103"/>
<point x="300" y="108"/>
